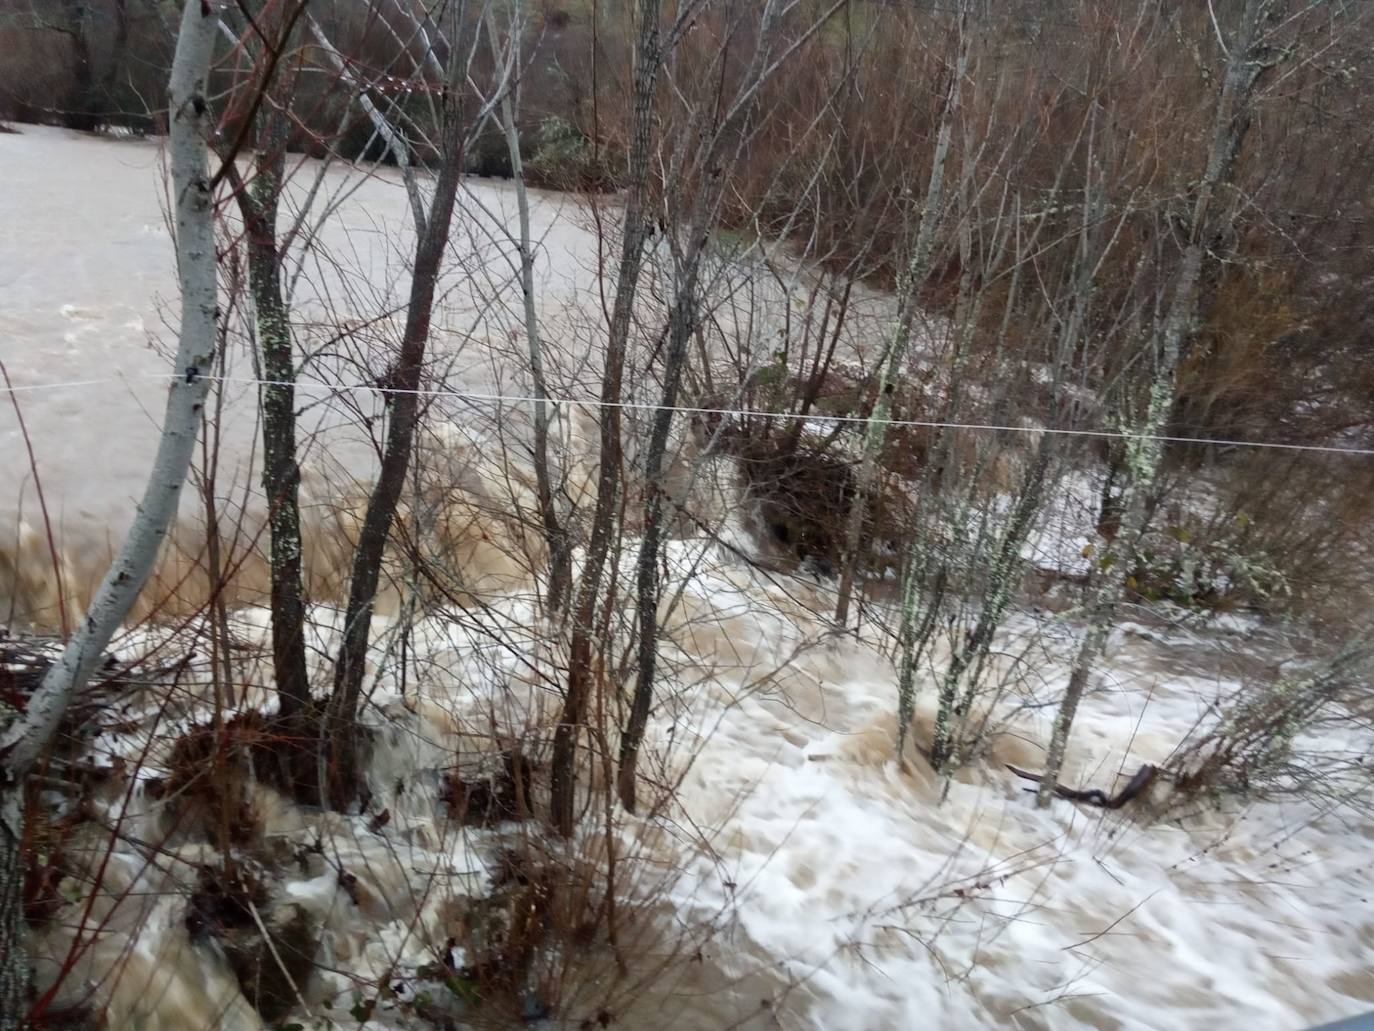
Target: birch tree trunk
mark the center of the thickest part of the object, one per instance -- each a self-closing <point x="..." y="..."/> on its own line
<point x="395" y="142"/>
<point x="1144" y="450"/>
<point x="32" y="730"/>
<point x="962" y="678"/>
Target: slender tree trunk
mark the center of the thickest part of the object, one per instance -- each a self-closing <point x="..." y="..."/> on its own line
<point x="1002" y="576"/>
<point x="81" y="102"/>
<point x="555" y="533"/>
<point x="960" y="681"/>
<point x="1144" y="451"/>
<point x="404" y="379"/>
<point x="277" y="399"/>
<point x="563" y="774"/>
<point x="682" y="324"/>
<point x="892" y="362"/>
<point x="32" y="730"/>
<point x="395" y="142"/>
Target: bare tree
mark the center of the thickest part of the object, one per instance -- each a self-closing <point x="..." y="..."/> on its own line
<point x="403" y="402"/>
<point x="32" y="730"/>
<point x="281" y="475"/>
<point x="716" y="122"/>
<point x="893" y="359"/>
<point x="556" y="533"/>
<point x="648" y="59"/>
<point x="1249" y="59"/>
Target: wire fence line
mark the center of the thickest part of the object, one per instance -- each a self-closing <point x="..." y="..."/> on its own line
<point x="650" y="406"/>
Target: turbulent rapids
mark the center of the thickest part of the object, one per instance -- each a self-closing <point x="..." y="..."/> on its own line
<point x="791" y="869"/>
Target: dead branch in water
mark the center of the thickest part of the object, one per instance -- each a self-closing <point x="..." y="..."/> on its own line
<point x="1144" y="777"/>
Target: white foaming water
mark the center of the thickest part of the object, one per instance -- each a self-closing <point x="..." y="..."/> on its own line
<point x="888" y="907"/>
<point x="848" y="890"/>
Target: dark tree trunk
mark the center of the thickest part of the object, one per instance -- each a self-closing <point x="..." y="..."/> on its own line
<point x="109" y="82"/>
<point x="681" y="326"/>
<point x="80" y="110"/>
<point x="14" y="957"/>
<point x="277" y="398"/>
<point x="403" y="403"/>
<point x="563" y="774"/>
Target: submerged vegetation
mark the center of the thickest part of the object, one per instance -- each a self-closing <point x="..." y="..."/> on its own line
<point x="642" y="592"/>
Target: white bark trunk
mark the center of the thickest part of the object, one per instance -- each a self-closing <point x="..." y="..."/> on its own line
<point x="1144" y="449"/>
<point x="555" y="532"/>
<point x="33" y="729"/>
<point x="400" y="149"/>
<point x="195" y="243"/>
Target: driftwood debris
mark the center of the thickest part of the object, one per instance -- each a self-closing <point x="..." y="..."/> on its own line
<point x="1143" y="778"/>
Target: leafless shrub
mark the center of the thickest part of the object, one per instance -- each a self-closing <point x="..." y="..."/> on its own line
<point x="1260" y="740"/>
